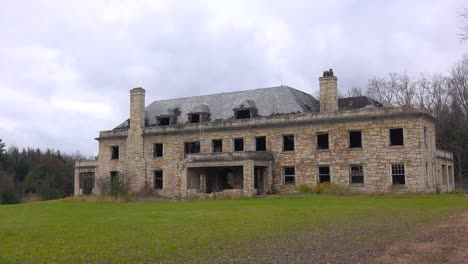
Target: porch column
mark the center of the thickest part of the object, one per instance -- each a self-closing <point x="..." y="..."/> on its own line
<point x="248" y="175"/>
<point x="183" y="182"/>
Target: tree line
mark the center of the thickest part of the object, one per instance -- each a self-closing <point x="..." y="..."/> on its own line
<point x="45" y="174"/>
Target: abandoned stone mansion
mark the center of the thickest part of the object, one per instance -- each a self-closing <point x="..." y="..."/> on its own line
<point x="270" y="139"/>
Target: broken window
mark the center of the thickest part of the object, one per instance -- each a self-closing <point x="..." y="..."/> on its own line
<point x="396" y="137"/>
<point x="158" y="179"/>
<point x="239" y="144"/>
<point x="115" y="152"/>
<point x="192" y="147"/>
<point x="86" y="180"/>
<point x="217" y="145"/>
<point x="398" y="174"/>
<point x="324" y="174"/>
<point x="322" y="140"/>
<point x="164" y="121"/>
<point x="355" y="139"/>
<point x="356" y="174"/>
<point x="288" y="143"/>
<point x="260" y="143"/>
<point x="289" y="175"/>
<point x="114" y="175"/>
<point x="194" y="118"/>
<point x="158" y="150"/>
<point x="243" y="114"/>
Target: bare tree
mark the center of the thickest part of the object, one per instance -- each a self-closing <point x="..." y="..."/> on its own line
<point x="464" y="25"/>
<point x="355" y="91"/>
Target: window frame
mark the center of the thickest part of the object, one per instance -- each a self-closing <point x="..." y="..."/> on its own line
<point x="293" y="143"/>
<point x="187" y="143"/>
<point x="393" y="174"/>
<point x="155" y="176"/>
<point x="111" y="176"/>
<point x="402" y="137"/>
<point x="155" y="152"/>
<point x="360" y="140"/>
<point x="317" y="140"/>
<point x="213" y="145"/>
<point x="113" y="147"/>
<point x="256" y="144"/>
<point x="359" y="174"/>
<point x="234" y="144"/>
<point x="319" y="175"/>
<point x="293" y="176"/>
<point x="242" y="111"/>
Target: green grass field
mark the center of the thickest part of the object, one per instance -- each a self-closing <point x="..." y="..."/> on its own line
<point x="272" y="229"/>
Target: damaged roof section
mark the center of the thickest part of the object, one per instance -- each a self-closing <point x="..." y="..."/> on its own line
<point x="272" y="101"/>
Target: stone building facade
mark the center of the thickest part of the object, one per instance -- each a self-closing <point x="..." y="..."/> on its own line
<point x="253" y="142"/>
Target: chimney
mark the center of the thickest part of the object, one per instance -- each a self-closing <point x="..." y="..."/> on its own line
<point x="137" y="108"/>
<point x="328" y="92"/>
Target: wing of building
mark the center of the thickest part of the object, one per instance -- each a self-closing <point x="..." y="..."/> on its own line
<point x="264" y="140"/>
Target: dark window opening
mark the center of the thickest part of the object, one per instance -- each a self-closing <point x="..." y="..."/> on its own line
<point x="396" y="137"/>
<point x="288" y="143"/>
<point x="158" y="150"/>
<point x="86" y="181"/>
<point x="260" y="143"/>
<point x="322" y="141"/>
<point x="355" y="139"/>
<point x="239" y="144"/>
<point x="356" y="174"/>
<point x="115" y="152"/>
<point x="324" y="174"/>
<point x="398" y="174"/>
<point x="243" y="114"/>
<point x="164" y="121"/>
<point x="289" y="175"/>
<point x="425" y="136"/>
<point x="194" y="118"/>
<point x="192" y="147"/>
<point x="114" y="175"/>
<point x="158" y="179"/>
<point x="217" y="145"/>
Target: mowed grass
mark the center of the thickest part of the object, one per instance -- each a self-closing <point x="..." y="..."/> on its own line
<point x="245" y="230"/>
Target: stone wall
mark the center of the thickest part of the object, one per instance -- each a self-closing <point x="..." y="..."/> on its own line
<point x="376" y="155"/>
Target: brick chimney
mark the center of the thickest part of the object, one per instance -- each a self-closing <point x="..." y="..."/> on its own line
<point x="328" y="92"/>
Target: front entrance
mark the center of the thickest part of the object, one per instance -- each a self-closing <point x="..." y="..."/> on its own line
<point x="215" y="179"/>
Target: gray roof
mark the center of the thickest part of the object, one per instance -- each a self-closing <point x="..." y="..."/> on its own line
<point x="270" y="101"/>
<point x="357" y="102"/>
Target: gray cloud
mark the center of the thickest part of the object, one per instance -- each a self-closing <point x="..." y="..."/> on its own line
<point x="66" y="67"/>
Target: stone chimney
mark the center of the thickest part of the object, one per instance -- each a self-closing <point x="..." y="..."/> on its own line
<point x="328" y="92"/>
<point x="137" y="107"/>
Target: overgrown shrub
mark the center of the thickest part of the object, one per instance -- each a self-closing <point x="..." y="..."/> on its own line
<point x="118" y="188"/>
<point x="304" y="188"/>
<point x="330" y="188"/>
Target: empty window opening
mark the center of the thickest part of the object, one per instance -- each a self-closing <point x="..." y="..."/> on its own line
<point x="194" y="118"/>
<point x="158" y="150"/>
<point x="192" y="147"/>
<point x="86" y="182"/>
<point x="322" y="141"/>
<point x="444" y="175"/>
<point x="158" y="179"/>
<point x="289" y="175"/>
<point x="288" y="143"/>
<point x="398" y="174"/>
<point x="217" y="145"/>
<point x="243" y="114"/>
<point x="450" y="175"/>
<point x="115" y="152"/>
<point x="260" y="143"/>
<point x="239" y="144"/>
<point x="324" y="174"/>
<point x="427" y="174"/>
<point x="164" y="121"/>
<point x="114" y="176"/>
<point x="356" y="174"/>
<point x="425" y="136"/>
<point x="396" y="137"/>
<point x="355" y="139"/>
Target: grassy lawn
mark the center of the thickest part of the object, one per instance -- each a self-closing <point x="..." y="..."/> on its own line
<point x="300" y="228"/>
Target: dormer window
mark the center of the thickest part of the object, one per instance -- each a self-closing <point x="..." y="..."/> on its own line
<point x="243" y="114"/>
<point x="246" y="110"/>
<point x="194" y="118"/>
<point x="164" y="121"/>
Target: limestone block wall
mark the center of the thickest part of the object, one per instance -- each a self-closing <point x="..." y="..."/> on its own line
<point x="376" y="155"/>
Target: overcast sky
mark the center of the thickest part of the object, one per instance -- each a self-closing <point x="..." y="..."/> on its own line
<point x="66" y="67"/>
